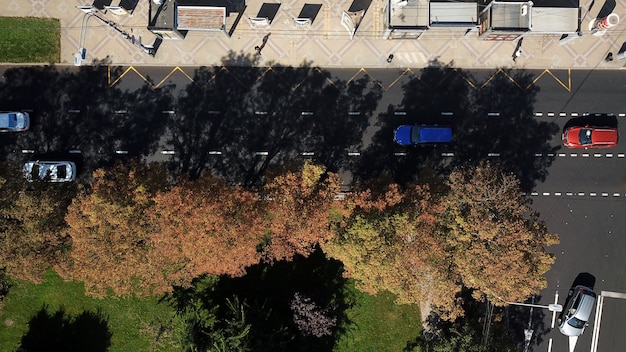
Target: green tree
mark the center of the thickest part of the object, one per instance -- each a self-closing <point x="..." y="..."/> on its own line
<point x="234" y="333"/>
<point x="467" y="333"/>
<point x="389" y="243"/>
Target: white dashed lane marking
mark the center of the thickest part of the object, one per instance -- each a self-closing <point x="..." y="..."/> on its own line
<point x="574" y="194"/>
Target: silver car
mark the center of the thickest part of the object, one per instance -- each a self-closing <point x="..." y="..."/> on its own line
<point x="14" y="121"/>
<point x="52" y="171"/>
<point x="577" y="310"/>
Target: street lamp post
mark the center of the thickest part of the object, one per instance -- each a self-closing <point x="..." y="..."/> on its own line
<point x="551" y="307"/>
<point x="80" y="55"/>
<point x="528" y="333"/>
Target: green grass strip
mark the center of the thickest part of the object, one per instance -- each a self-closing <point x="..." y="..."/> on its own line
<point x="379" y="325"/>
<point x="134" y="323"/>
<point x="30" y="40"/>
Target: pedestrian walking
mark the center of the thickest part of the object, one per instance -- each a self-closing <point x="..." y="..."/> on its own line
<point x="517" y="54"/>
<point x="390" y="58"/>
<point x="609" y="57"/>
<point x="259" y="48"/>
<point x="518" y="50"/>
<point x="265" y="38"/>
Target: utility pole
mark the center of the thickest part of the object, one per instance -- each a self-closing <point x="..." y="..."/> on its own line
<point x="486" y="326"/>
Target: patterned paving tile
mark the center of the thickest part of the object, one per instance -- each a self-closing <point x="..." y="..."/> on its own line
<point x="325" y="43"/>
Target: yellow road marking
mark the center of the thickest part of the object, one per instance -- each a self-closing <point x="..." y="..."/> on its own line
<point x="408" y="71"/>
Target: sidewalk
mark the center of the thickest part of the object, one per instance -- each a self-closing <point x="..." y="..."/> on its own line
<point x="325" y="44"/>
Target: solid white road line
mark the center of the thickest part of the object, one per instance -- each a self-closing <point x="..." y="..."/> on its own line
<point x="550" y="345"/>
<point x="613" y="294"/>
<point x="596" y="324"/>
<point x="556" y="301"/>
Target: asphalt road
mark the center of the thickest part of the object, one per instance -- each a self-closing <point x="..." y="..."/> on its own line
<point x="578" y="200"/>
<point x="582" y="199"/>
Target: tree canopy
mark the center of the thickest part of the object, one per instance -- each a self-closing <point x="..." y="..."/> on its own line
<point x="481" y="234"/>
<point x="110" y="231"/>
<point x="494" y="240"/>
<point x="32" y="225"/>
<point x="149" y="233"/>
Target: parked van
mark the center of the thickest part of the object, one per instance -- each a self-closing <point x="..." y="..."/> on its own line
<point x="422" y="134"/>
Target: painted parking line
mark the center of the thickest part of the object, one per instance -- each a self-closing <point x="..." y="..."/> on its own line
<point x="611" y="294"/>
<point x="583" y="155"/>
<point x="550" y="345"/>
<point x="556" y="301"/>
<point x="598" y="318"/>
<point x="596" y="324"/>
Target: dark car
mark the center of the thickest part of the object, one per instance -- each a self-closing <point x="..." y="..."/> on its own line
<point x="577" y="310"/>
<point x="422" y="134"/>
<point x="590" y="137"/>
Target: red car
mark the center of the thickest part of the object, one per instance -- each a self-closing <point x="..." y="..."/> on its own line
<point x="590" y="137"/>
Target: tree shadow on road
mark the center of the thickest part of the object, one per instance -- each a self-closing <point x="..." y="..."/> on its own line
<point x="79" y="111"/>
<point x="495" y="120"/>
<point x="238" y="121"/>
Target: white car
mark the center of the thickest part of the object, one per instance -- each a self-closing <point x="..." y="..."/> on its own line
<point x="14" y="121"/>
<point x="53" y="171"/>
<point x="577" y="310"/>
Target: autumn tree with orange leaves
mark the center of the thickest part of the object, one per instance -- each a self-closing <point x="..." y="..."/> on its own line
<point x="147" y="236"/>
<point x="204" y="226"/>
<point x="494" y="241"/>
<point x="480" y="234"/>
<point x="298" y="205"/>
<point x="32" y="226"/>
<point x="110" y="231"/>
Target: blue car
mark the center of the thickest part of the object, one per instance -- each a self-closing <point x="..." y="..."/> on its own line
<point x="420" y="134"/>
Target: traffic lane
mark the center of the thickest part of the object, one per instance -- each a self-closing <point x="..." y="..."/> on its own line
<point x="568" y="91"/>
<point x="582" y="91"/>
<point x="606" y="334"/>
<point x="576" y="118"/>
<point x="587" y="174"/>
<point x="591" y="241"/>
<point x="611" y="325"/>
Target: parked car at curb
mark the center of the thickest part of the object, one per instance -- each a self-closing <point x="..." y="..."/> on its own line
<point x="52" y="171"/>
<point x="577" y="310"/>
<point x="590" y="137"/>
<point x="14" y="121"/>
<point x="422" y="134"/>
